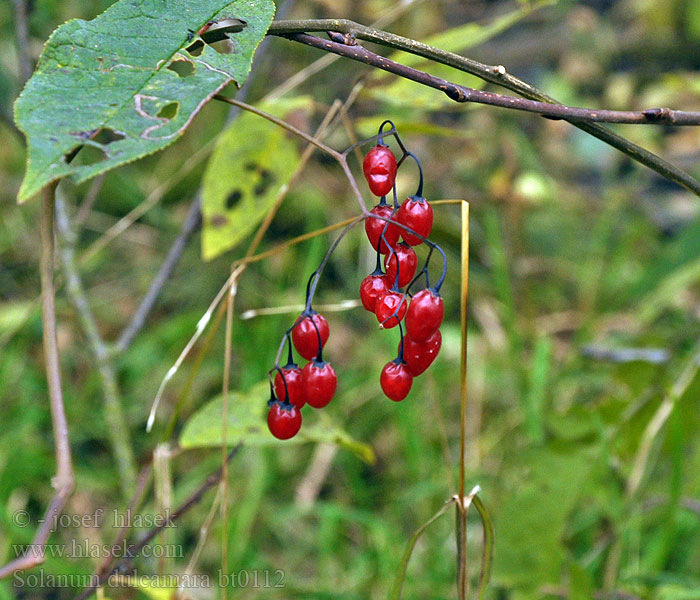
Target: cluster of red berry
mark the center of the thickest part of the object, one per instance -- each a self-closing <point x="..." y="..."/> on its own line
<point x="293" y="387"/>
<point x="380" y="293"/>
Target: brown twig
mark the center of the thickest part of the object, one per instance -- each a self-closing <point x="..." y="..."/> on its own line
<point x="460" y="93"/>
<point x="496" y="74"/>
<point x="64" y="482"/>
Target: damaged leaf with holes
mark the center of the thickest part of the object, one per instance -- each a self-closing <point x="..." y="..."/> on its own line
<point x="129" y="82"/>
<point x="253" y="161"/>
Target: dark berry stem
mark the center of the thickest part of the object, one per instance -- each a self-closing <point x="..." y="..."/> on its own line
<point x="395" y="287"/>
<point x="273" y="398"/>
<point x="378" y="269"/>
<point x="438" y="285"/>
<point x="319" y="357"/>
<point x="316" y="275"/>
<point x="290" y="356"/>
<point x="284" y="382"/>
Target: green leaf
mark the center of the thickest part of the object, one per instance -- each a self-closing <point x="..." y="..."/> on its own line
<point x="252" y="162"/>
<point x="247" y="414"/>
<point x="129" y="82"/>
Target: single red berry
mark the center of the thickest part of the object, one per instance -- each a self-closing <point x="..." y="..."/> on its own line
<point x="420" y="355"/>
<point x="417" y="214"/>
<point x="390" y="309"/>
<point x="294" y="385"/>
<point x="424" y="315"/>
<point x="379" y="168"/>
<point x="284" y="420"/>
<point x="375" y="227"/>
<point x="320" y="382"/>
<point x="396" y="380"/>
<point x="407" y="260"/>
<point x="371" y="288"/>
<point x="305" y="337"/>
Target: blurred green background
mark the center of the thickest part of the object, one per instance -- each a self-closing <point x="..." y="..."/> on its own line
<point x="588" y="458"/>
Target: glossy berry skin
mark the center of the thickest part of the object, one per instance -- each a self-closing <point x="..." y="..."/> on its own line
<point x="295" y="386"/>
<point x="420" y="355"/>
<point x="396" y="380"/>
<point x="388" y="304"/>
<point x="284" y="420"/>
<point x="320" y="382"/>
<point x="407" y="261"/>
<point x="416" y="213"/>
<point x="424" y="316"/>
<point x="305" y="338"/>
<point x="379" y="167"/>
<point x="371" y="288"/>
<point x="375" y="227"/>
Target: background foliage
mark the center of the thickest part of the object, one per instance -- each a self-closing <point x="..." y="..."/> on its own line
<point x="574" y="247"/>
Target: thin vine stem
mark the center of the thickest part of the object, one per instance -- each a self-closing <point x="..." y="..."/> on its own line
<point x="461" y="93"/>
<point x="64" y="481"/>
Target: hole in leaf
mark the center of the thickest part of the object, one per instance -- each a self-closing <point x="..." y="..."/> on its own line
<point x="220" y="30"/>
<point x="169" y="110"/>
<point x="183" y="68"/>
<point x="107" y="135"/>
<point x="223" y="46"/>
<point x="233" y="199"/>
<point x="216" y="36"/>
<point x="88" y="155"/>
<point x="195" y="49"/>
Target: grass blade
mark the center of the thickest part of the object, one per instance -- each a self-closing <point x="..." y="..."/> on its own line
<point x="397" y="586"/>
<point x="487" y="549"/>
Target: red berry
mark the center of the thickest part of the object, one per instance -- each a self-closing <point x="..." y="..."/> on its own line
<point x="371" y="288"/>
<point x="424" y="315"/>
<point x="284" y="420"/>
<point x="375" y="227"/>
<point x="407" y="260"/>
<point x="388" y="304"/>
<point x="420" y="355"/>
<point x="396" y="380"/>
<point x="417" y="214"/>
<point x="320" y="382"/>
<point x="305" y="337"/>
<point x="379" y="167"/>
<point x="295" y="386"/>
